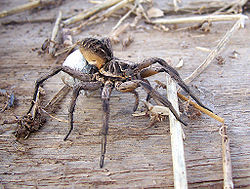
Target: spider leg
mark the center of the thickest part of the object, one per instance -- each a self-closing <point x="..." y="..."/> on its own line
<point x="106" y="92"/>
<point x="74" y="73"/>
<point x="76" y="92"/>
<point x="129" y="86"/>
<point x="147" y="71"/>
<point x="90" y="86"/>
<point x="136" y="100"/>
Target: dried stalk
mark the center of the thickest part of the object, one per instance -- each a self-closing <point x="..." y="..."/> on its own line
<point x="116" y="7"/>
<point x="176" y="7"/>
<point x="27" y="6"/>
<point x="67" y="37"/>
<point x="179" y="167"/>
<point x="55" y="30"/>
<point x="211" y="114"/>
<point x="124" y="17"/>
<point x="40" y="93"/>
<point x="226" y="157"/>
<point x="57" y="97"/>
<point x="114" y="35"/>
<point x="58" y="119"/>
<point x="198" y="19"/>
<point x="86" y="14"/>
<point x="217" y="50"/>
<point x="20" y="8"/>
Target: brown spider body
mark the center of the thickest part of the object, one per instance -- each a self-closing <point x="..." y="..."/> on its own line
<point x="108" y="72"/>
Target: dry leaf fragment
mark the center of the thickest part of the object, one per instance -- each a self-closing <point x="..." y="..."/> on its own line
<point x="155" y="12"/>
<point x="180" y="63"/>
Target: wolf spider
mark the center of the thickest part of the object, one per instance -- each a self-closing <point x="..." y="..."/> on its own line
<point x="108" y="72"/>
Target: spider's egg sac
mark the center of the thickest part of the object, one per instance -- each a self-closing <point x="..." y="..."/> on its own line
<point x="75" y="61"/>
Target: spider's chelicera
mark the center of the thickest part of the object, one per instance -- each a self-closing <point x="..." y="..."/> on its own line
<point x="103" y="70"/>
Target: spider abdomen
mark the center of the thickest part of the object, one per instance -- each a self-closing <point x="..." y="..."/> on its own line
<point x="77" y="62"/>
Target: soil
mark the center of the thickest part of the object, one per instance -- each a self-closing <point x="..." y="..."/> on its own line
<point x="135" y="159"/>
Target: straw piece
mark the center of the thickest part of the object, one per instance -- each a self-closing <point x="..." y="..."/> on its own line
<point x="116" y="7"/>
<point x="54" y="33"/>
<point x="20" y="8"/>
<point x="179" y="167"/>
<point x="123" y="18"/>
<point x="24" y="7"/>
<point x="86" y="14"/>
<point x="57" y="97"/>
<point x="226" y="158"/>
<point x="198" y="19"/>
<point x="217" y="50"/>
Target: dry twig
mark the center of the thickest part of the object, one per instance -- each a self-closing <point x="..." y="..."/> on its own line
<point x="57" y="97"/>
<point x="124" y="17"/>
<point x="27" y="6"/>
<point x="179" y="167"/>
<point x="226" y="157"/>
<point x="55" y="30"/>
<point x="198" y="19"/>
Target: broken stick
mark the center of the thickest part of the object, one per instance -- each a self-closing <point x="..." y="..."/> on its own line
<point x="19" y="9"/>
<point x="24" y="7"/>
<point x="226" y="157"/>
<point x="55" y="30"/>
<point x="179" y="166"/>
<point x="198" y="19"/>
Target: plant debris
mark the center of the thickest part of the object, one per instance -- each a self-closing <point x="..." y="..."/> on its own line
<point x="10" y="99"/>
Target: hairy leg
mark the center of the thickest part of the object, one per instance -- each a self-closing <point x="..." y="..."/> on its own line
<point x="106" y="92"/>
<point x="136" y="95"/>
<point x="90" y="86"/>
<point x="147" y="71"/>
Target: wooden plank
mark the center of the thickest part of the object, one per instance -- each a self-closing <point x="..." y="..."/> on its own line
<point x="134" y="159"/>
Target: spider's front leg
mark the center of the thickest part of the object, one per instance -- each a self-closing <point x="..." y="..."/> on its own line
<point x="106" y="93"/>
<point x="146" y="70"/>
<point x="88" y="86"/>
<point x="74" y="73"/>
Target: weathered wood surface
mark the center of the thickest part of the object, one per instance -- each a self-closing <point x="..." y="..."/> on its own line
<point x="134" y="159"/>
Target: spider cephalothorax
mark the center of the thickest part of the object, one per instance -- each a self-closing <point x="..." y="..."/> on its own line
<point x="108" y="73"/>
